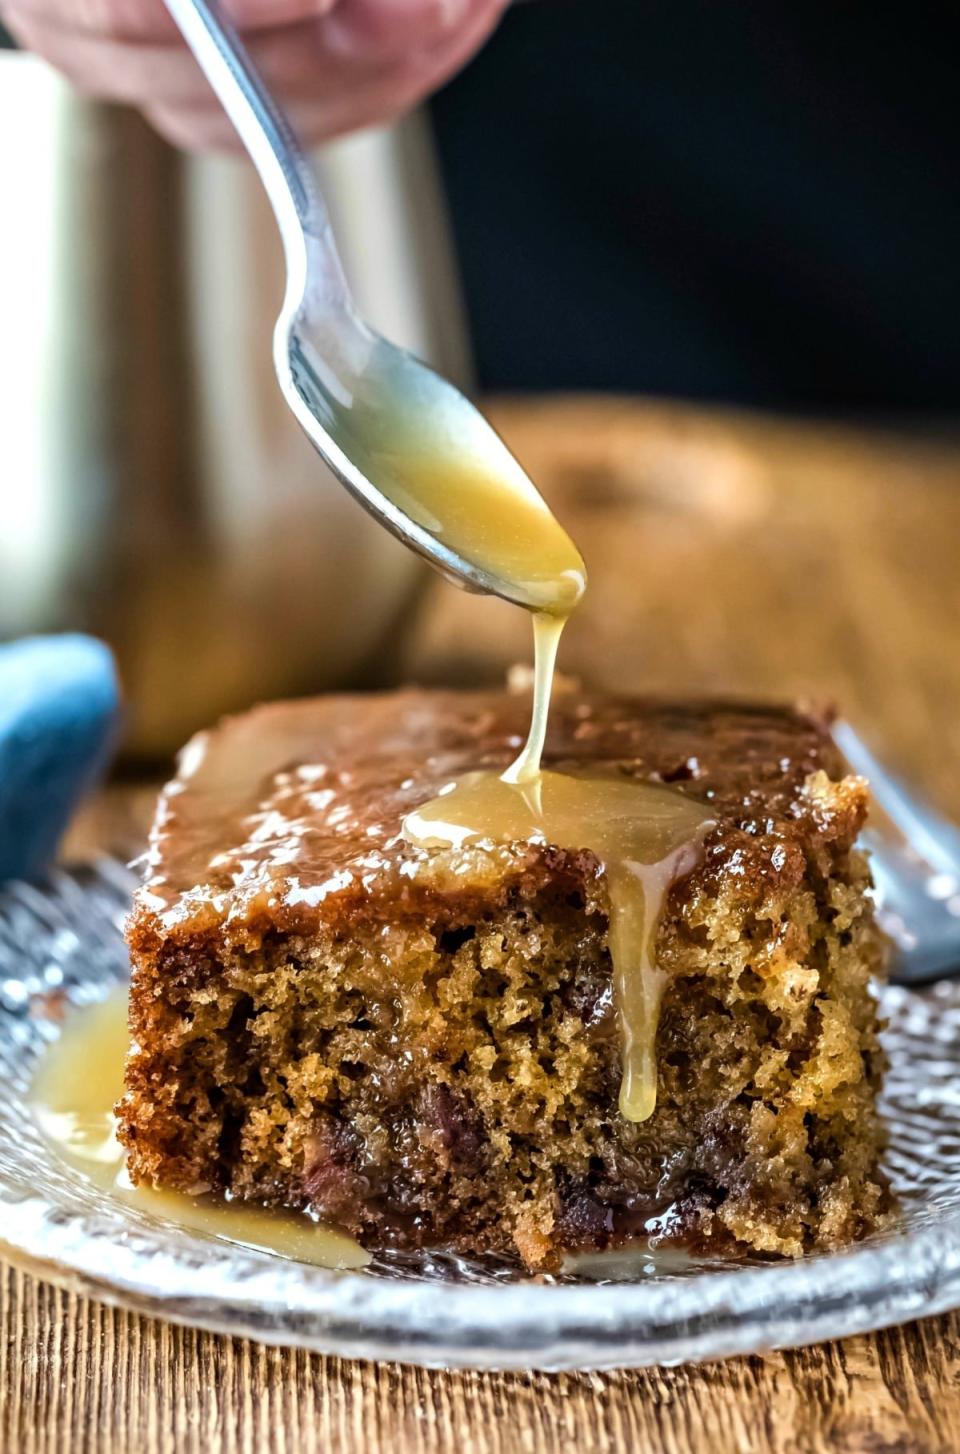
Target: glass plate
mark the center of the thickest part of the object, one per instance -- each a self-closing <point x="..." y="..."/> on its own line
<point x="60" y="946"/>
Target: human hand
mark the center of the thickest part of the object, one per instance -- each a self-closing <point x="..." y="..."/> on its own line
<point x="336" y="65"/>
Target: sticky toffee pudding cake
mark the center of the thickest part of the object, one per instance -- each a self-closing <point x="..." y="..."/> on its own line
<point x="366" y="986"/>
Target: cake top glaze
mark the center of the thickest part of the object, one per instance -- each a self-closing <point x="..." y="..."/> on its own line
<point x="293" y="811"/>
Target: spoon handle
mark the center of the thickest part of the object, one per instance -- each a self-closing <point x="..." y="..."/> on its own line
<point x="266" y="132"/>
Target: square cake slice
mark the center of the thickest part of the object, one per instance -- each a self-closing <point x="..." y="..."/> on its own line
<point x="423" y="1047"/>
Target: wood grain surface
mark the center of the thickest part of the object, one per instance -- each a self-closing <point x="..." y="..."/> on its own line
<point x="727" y="553"/>
<point x="80" y="1378"/>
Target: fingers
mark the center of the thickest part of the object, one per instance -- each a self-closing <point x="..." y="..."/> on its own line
<point x="291" y="60"/>
<point x="393" y="27"/>
<point x="135" y="20"/>
<point x="318" y="116"/>
<point x="149" y="20"/>
<point x="340" y="65"/>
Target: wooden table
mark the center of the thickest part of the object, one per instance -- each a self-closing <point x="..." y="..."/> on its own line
<point x="78" y="1378"/>
<point x="726" y="552"/>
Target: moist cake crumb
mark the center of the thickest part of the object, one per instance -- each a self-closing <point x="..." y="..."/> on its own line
<point x="423" y="1046"/>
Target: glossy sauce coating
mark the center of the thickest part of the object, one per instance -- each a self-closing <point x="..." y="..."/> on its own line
<point x="293" y="812"/>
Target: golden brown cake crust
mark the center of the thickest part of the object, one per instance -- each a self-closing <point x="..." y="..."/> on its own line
<point x="424" y="1047"/>
<point x="291" y="814"/>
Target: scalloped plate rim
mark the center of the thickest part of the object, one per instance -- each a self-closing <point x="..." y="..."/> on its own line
<point x="902" y="1275"/>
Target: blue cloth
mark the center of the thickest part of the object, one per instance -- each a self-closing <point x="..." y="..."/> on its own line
<point x="59" y="713"/>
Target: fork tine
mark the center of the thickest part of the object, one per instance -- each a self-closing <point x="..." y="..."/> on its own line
<point x="915" y="857"/>
<point x="930" y="835"/>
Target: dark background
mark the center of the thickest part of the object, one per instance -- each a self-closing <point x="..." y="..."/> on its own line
<point x="736" y="200"/>
<point x="717" y="199"/>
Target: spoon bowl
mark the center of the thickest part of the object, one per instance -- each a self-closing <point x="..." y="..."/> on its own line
<point x="423" y="460"/>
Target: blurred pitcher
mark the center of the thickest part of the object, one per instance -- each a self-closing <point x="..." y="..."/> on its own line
<point x="155" y="488"/>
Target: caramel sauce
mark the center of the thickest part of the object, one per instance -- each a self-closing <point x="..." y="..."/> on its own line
<point x="645" y="835"/>
<point x="441" y="466"/>
<point x="77" y="1084"/>
<point x="547" y="631"/>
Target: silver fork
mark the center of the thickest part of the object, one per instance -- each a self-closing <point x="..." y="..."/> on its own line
<point x="915" y="857"/>
<point x="364" y="403"/>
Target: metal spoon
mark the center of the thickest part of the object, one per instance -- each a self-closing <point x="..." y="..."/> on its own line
<point x="374" y="413"/>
